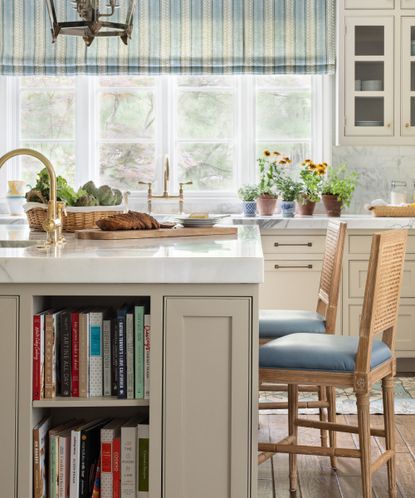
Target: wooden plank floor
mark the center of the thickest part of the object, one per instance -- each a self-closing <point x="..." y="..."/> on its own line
<point x="317" y="480"/>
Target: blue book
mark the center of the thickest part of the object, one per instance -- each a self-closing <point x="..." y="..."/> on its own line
<point x="139" y="351"/>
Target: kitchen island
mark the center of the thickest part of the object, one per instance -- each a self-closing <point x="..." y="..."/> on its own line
<point x="203" y="296"/>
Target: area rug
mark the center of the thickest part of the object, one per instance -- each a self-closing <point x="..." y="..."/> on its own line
<point x="346" y="401"/>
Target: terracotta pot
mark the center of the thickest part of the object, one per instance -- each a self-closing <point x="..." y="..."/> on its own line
<point x="266" y="205"/>
<point x="305" y="207"/>
<point x="333" y="205"/>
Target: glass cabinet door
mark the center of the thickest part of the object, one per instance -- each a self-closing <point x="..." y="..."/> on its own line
<point x="369" y="76"/>
<point x="408" y="77"/>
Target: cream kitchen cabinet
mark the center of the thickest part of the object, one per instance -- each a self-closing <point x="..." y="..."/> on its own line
<point x="9" y="306"/>
<point x="376" y="73"/>
<point x="370" y="4"/>
<point x="207" y="392"/>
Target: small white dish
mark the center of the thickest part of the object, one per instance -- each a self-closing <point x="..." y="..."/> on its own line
<point x="372" y="85"/>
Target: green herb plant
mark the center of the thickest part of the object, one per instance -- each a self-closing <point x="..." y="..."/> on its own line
<point x="341" y="183"/>
<point x="248" y="193"/>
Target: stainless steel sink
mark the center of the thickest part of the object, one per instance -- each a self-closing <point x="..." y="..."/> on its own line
<point x="17" y="243"/>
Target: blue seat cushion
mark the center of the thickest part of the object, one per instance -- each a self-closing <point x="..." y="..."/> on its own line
<point x="278" y="323"/>
<point x="318" y="352"/>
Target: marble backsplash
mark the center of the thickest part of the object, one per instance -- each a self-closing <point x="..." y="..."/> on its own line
<point x="377" y="167"/>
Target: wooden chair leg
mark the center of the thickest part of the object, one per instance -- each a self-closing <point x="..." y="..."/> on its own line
<point x="363" y="416"/>
<point x="293" y="431"/>
<point x="389" y="418"/>
<point x="323" y="418"/>
<point x="331" y="396"/>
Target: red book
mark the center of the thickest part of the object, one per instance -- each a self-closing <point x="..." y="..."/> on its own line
<point x="75" y="355"/>
<point x="116" y="468"/>
<point x="38" y="357"/>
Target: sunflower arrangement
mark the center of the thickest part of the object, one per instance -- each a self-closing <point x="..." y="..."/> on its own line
<point x="311" y="175"/>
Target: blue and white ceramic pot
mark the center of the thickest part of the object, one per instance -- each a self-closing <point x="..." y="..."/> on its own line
<point x="249" y="208"/>
<point x="288" y="209"/>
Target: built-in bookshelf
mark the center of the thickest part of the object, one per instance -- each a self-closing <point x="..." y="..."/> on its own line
<point x="90" y="395"/>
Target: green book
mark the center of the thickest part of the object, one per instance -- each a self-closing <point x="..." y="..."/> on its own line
<point x="143" y="451"/>
<point x="139" y="351"/>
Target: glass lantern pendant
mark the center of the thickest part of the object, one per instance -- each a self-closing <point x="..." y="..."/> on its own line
<point x="94" y="18"/>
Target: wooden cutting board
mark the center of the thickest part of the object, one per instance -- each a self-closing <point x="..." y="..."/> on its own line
<point x="97" y="234"/>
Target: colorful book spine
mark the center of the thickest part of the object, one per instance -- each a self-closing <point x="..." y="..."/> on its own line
<point x="53" y="464"/>
<point x="40" y="434"/>
<point x="95" y="354"/>
<point x="106" y="339"/>
<point x="122" y="357"/>
<point x="139" y="351"/>
<point x="108" y="433"/>
<point x="114" y="358"/>
<point x="38" y="356"/>
<point x="116" y="468"/>
<point x="83" y="355"/>
<point x="89" y="456"/>
<point x="147" y="348"/>
<point x="75" y="355"/>
<point x="129" y="459"/>
<point x="96" y="491"/>
<point x="143" y="457"/>
<point x="65" y="352"/>
<point x="130" y="354"/>
<point x="50" y="355"/>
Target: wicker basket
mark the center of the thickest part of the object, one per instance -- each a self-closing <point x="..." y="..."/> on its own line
<point x="393" y="211"/>
<point x="75" y="218"/>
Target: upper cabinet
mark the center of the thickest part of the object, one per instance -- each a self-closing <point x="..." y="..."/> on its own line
<point x="376" y="73"/>
<point x="369" y="77"/>
<point x="371" y="4"/>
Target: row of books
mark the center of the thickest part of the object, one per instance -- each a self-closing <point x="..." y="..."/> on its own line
<point x="106" y="458"/>
<point x="92" y="353"/>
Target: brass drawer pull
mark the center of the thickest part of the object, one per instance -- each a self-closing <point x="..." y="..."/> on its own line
<point x="280" y="267"/>
<point x="307" y="244"/>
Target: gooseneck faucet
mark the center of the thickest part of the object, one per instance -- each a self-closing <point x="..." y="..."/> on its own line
<point x="165" y="195"/>
<point x="53" y="223"/>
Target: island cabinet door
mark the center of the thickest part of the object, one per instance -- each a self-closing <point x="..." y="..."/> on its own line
<point x="207" y="446"/>
<point x="8" y="394"/>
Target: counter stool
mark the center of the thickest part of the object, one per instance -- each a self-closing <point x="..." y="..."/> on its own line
<point x="274" y="324"/>
<point x="344" y="361"/>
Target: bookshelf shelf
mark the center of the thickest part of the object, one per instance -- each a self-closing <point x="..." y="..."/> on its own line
<point x="60" y="402"/>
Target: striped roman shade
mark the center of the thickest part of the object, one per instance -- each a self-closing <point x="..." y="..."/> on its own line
<point x="179" y="37"/>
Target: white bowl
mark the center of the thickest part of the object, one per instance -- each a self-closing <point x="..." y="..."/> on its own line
<point x="372" y="85"/>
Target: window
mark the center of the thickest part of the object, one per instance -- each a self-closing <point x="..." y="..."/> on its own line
<point x="117" y="130"/>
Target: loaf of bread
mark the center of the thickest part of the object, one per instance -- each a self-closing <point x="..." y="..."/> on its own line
<point x="132" y="220"/>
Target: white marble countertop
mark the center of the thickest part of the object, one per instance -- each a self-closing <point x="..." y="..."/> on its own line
<point x="354" y="222"/>
<point x="217" y="260"/>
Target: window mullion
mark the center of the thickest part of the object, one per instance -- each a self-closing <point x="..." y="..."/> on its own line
<point x="248" y="133"/>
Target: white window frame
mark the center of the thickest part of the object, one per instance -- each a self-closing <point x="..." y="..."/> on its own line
<point x="86" y="137"/>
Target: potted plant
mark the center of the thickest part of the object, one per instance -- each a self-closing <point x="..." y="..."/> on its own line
<point x="289" y="190"/>
<point x="267" y="196"/>
<point x="311" y="176"/>
<point x="249" y="195"/>
<point x="338" y="188"/>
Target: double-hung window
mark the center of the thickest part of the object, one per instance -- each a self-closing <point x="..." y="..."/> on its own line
<point x="118" y="130"/>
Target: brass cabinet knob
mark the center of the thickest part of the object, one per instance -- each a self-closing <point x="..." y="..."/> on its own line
<point x="389" y="125"/>
<point x="407" y="125"/>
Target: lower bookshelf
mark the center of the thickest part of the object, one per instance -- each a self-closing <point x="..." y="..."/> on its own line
<point x="61" y="402"/>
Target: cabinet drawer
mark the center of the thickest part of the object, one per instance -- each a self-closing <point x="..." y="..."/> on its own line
<point x="407" y="4"/>
<point x="290" y="285"/>
<point x="405" y="339"/>
<point x="293" y="244"/>
<point x="361" y="244"/>
<point x="371" y="4"/>
<point x="358" y="274"/>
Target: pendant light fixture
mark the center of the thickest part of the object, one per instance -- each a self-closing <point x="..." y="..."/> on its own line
<point x="96" y="19"/>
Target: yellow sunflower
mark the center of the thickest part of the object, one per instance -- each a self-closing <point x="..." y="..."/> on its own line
<point x="267" y="153"/>
<point x="276" y="153"/>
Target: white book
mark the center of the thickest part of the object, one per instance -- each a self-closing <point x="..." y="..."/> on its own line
<point x="147" y="347"/>
<point x="83" y="355"/>
<point x="130" y="354"/>
<point x="106" y="341"/>
<point x="129" y="459"/>
<point x="143" y="463"/>
<point x="95" y="354"/>
<point x="108" y="433"/>
<point x="64" y="463"/>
